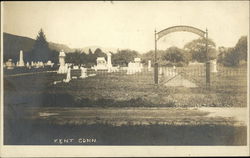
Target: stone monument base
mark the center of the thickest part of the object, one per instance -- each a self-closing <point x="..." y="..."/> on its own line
<point x="62" y="70"/>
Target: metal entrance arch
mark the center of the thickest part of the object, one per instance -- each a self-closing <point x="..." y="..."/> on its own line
<point x="203" y="34"/>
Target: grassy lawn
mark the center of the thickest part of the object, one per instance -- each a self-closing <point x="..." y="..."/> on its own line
<point x="228" y="88"/>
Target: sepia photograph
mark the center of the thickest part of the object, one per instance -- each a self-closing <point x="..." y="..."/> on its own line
<point x="125" y="76"/>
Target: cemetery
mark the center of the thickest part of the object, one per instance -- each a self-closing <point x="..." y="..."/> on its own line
<point x="202" y="80"/>
<point x="120" y="86"/>
<point x="137" y="78"/>
<point x="141" y="95"/>
<point x="117" y="99"/>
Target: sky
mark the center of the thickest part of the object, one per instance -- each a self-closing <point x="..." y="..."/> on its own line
<point x="126" y="25"/>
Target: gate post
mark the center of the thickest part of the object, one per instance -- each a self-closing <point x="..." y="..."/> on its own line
<point x="156" y="73"/>
<point x="156" y="64"/>
<point x="207" y="63"/>
<point x="208" y="74"/>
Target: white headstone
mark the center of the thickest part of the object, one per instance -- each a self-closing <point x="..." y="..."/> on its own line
<point x="137" y="60"/>
<point x="68" y="77"/>
<point x="83" y="72"/>
<point x="101" y="64"/>
<point x="62" y="58"/>
<point x="160" y="71"/>
<point x="134" y="67"/>
<point x="213" y="65"/>
<point x="21" y="62"/>
<point x="63" y="67"/>
<point x="41" y="64"/>
<point x="149" y="65"/>
<point x="109" y="63"/>
<point x="9" y="64"/>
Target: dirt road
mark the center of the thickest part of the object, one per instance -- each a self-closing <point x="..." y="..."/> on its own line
<point x="140" y="116"/>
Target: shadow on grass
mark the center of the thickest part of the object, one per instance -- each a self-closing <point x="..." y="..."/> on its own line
<point x="27" y="132"/>
<point x="66" y="100"/>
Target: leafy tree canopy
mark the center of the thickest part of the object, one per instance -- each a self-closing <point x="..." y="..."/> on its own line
<point x="197" y="49"/>
<point x="175" y="55"/>
<point x="123" y="57"/>
<point x="241" y="48"/>
<point x="233" y="56"/>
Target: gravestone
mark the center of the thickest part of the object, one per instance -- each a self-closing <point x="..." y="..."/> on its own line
<point x="20" y="62"/>
<point x="83" y="72"/>
<point x="101" y="64"/>
<point x="160" y="71"/>
<point x="170" y="72"/>
<point x="213" y="65"/>
<point x="49" y="63"/>
<point x="134" y="67"/>
<point x="68" y="76"/>
<point x="149" y="65"/>
<point x="9" y="64"/>
<point x="109" y="63"/>
<point x="63" y="67"/>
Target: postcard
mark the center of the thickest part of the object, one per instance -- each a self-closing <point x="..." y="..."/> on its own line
<point x="124" y="78"/>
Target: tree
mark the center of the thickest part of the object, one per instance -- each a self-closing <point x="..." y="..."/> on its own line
<point x="241" y="48"/>
<point x="175" y="55"/>
<point x="163" y="56"/>
<point x="123" y="57"/>
<point x="197" y="50"/>
<point x="90" y="51"/>
<point x="231" y="58"/>
<point x="77" y="58"/>
<point x="90" y="58"/>
<point x="221" y="54"/>
<point x="150" y="55"/>
<point x="99" y="53"/>
<point x="41" y="51"/>
<point x="54" y="56"/>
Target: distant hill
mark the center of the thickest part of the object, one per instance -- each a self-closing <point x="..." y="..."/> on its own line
<point x="12" y="44"/>
<point x="59" y="47"/>
<point x="93" y="48"/>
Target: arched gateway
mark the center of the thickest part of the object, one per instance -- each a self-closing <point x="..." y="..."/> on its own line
<point x="203" y="34"/>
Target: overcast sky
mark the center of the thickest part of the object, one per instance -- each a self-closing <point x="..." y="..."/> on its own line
<point x="126" y="24"/>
